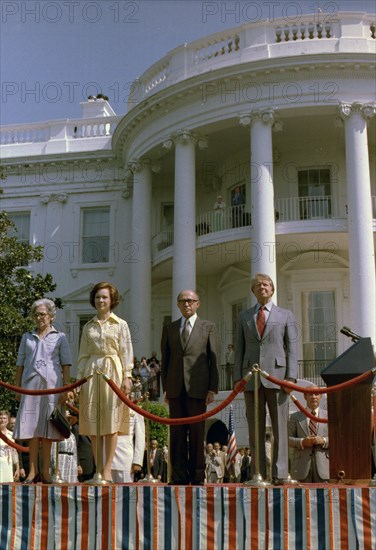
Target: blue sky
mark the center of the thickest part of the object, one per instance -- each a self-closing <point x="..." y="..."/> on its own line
<point x="54" y="54"/>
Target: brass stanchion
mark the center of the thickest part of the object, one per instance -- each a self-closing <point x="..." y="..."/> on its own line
<point x="148" y="478"/>
<point x="98" y="478"/>
<point x="169" y="477"/>
<point x="257" y="480"/>
<point x="55" y="478"/>
<point x="372" y="483"/>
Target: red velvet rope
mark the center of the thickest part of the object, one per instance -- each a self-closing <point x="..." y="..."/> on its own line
<point x="314" y="389"/>
<point x="307" y="413"/>
<point x="48" y="391"/>
<point x="177" y="421"/>
<point x="13" y="444"/>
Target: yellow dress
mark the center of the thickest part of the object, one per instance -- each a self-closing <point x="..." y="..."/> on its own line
<point x="106" y="346"/>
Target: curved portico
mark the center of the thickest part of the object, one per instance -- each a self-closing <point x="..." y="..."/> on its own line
<point x="283" y="110"/>
<point x="263" y="116"/>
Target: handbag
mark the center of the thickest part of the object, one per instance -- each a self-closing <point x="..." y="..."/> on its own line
<point x="58" y="420"/>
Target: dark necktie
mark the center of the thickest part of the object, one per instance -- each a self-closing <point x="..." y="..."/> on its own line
<point x="261" y="321"/>
<point x="185" y="333"/>
<point x="313" y="425"/>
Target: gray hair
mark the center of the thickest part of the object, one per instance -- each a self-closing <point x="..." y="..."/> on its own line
<point x="262" y="276"/>
<point x="49" y="304"/>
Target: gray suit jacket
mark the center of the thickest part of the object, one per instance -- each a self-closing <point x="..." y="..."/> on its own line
<point x="275" y="352"/>
<point x="196" y="366"/>
<point x="301" y="459"/>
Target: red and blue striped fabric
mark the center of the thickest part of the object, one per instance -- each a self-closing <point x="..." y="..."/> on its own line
<point x="159" y="517"/>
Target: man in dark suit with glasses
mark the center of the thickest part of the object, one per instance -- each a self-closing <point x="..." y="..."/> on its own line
<point x="190" y="375"/>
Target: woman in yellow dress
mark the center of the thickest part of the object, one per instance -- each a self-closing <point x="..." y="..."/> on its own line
<point x="105" y="345"/>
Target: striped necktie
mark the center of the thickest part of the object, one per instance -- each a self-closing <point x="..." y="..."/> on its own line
<point x="261" y="321"/>
<point x="185" y="333"/>
<point x="313" y="425"/>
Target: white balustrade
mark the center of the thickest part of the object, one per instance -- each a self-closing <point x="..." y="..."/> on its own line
<point x="71" y="129"/>
<point x="25" y="133"/>
<point x="252" y="42"/>
<point x="306" y="31"/>
<point x="289" y="209"/>
<point x="217" y="48"/>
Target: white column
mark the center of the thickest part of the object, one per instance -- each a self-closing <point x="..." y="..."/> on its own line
<point x="263" y="251"/>
<point x="360" y="223"/>
<point x="140" y="283"/>
<point x="184" y="256"/>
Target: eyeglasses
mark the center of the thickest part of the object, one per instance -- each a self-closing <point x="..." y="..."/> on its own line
<point x="188" y="301"/>
<point x="42" y="315"/>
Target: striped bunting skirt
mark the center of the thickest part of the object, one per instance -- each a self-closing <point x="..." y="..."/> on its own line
<point x="159" y="517"/>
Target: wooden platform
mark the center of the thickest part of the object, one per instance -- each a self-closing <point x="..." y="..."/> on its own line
<point x="160" y="517"/>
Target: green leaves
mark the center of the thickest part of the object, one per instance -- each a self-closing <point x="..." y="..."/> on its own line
<point x="157" y="431"/>
<point x="19" y="288"/>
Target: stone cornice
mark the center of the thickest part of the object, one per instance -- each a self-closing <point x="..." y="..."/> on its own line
<point x="270" y="71"/>
<point x="25" y="166"/>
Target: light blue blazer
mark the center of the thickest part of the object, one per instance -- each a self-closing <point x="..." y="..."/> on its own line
<point x="275" y="352"/>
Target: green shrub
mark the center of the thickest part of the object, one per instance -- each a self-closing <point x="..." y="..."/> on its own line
<point x="157" y="431"/>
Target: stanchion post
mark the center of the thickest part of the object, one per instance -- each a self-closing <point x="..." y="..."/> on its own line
<point x="169" y="477"/>
<point x="55" y="478"/>
<point x="98" y="478"/>
<point x="148" y="478"/>
<point x="257" y="480"/>
<point x="372" y="483"/>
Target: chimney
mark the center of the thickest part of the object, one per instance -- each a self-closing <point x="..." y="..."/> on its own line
<point x="97" y="106"/>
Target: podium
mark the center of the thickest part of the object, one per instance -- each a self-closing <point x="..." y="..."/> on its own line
<point x="349" y="413"/>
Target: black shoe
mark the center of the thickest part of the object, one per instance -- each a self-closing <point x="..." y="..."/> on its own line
<point x="178" y="483"/>
<point x="29" y="481"/>
<point x="278" y="481"/>
<point x="197" y="483"/>
<point x="46" y="481"/>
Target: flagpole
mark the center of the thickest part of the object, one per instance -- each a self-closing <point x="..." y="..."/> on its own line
<point x="231" y="446"/>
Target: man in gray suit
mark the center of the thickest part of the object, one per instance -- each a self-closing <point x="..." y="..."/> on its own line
<point x="267" y="335"/>
<point x="310" y="461"/>
<point x="190" y="375"/>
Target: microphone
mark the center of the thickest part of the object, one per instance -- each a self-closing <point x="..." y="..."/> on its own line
<point x="348" y="332"/>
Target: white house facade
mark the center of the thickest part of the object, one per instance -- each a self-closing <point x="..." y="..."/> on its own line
<point x="282" y="113"/>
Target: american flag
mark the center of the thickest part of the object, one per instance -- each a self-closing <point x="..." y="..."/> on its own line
<point x="231" y="441"/>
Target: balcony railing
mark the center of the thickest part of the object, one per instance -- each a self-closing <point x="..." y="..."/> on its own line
<point x="232" y="217"/>
<point x="289" y="209"/>
<point x="292" y="209"/>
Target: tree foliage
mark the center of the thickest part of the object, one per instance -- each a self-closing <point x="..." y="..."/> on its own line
<point x="157" y="431"/>
<point x="19" y="288"/>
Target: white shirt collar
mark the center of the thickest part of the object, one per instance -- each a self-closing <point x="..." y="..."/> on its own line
<point x="191" y="321"/>
<point x="267" y="306"/>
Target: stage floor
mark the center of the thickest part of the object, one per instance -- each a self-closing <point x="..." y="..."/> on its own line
<point x="161" y="517"/>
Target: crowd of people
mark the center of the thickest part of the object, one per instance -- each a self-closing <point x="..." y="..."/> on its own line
<point x="146" y="377"/>
<point x="74" y="458"/>
<point x="187" y="373"/>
